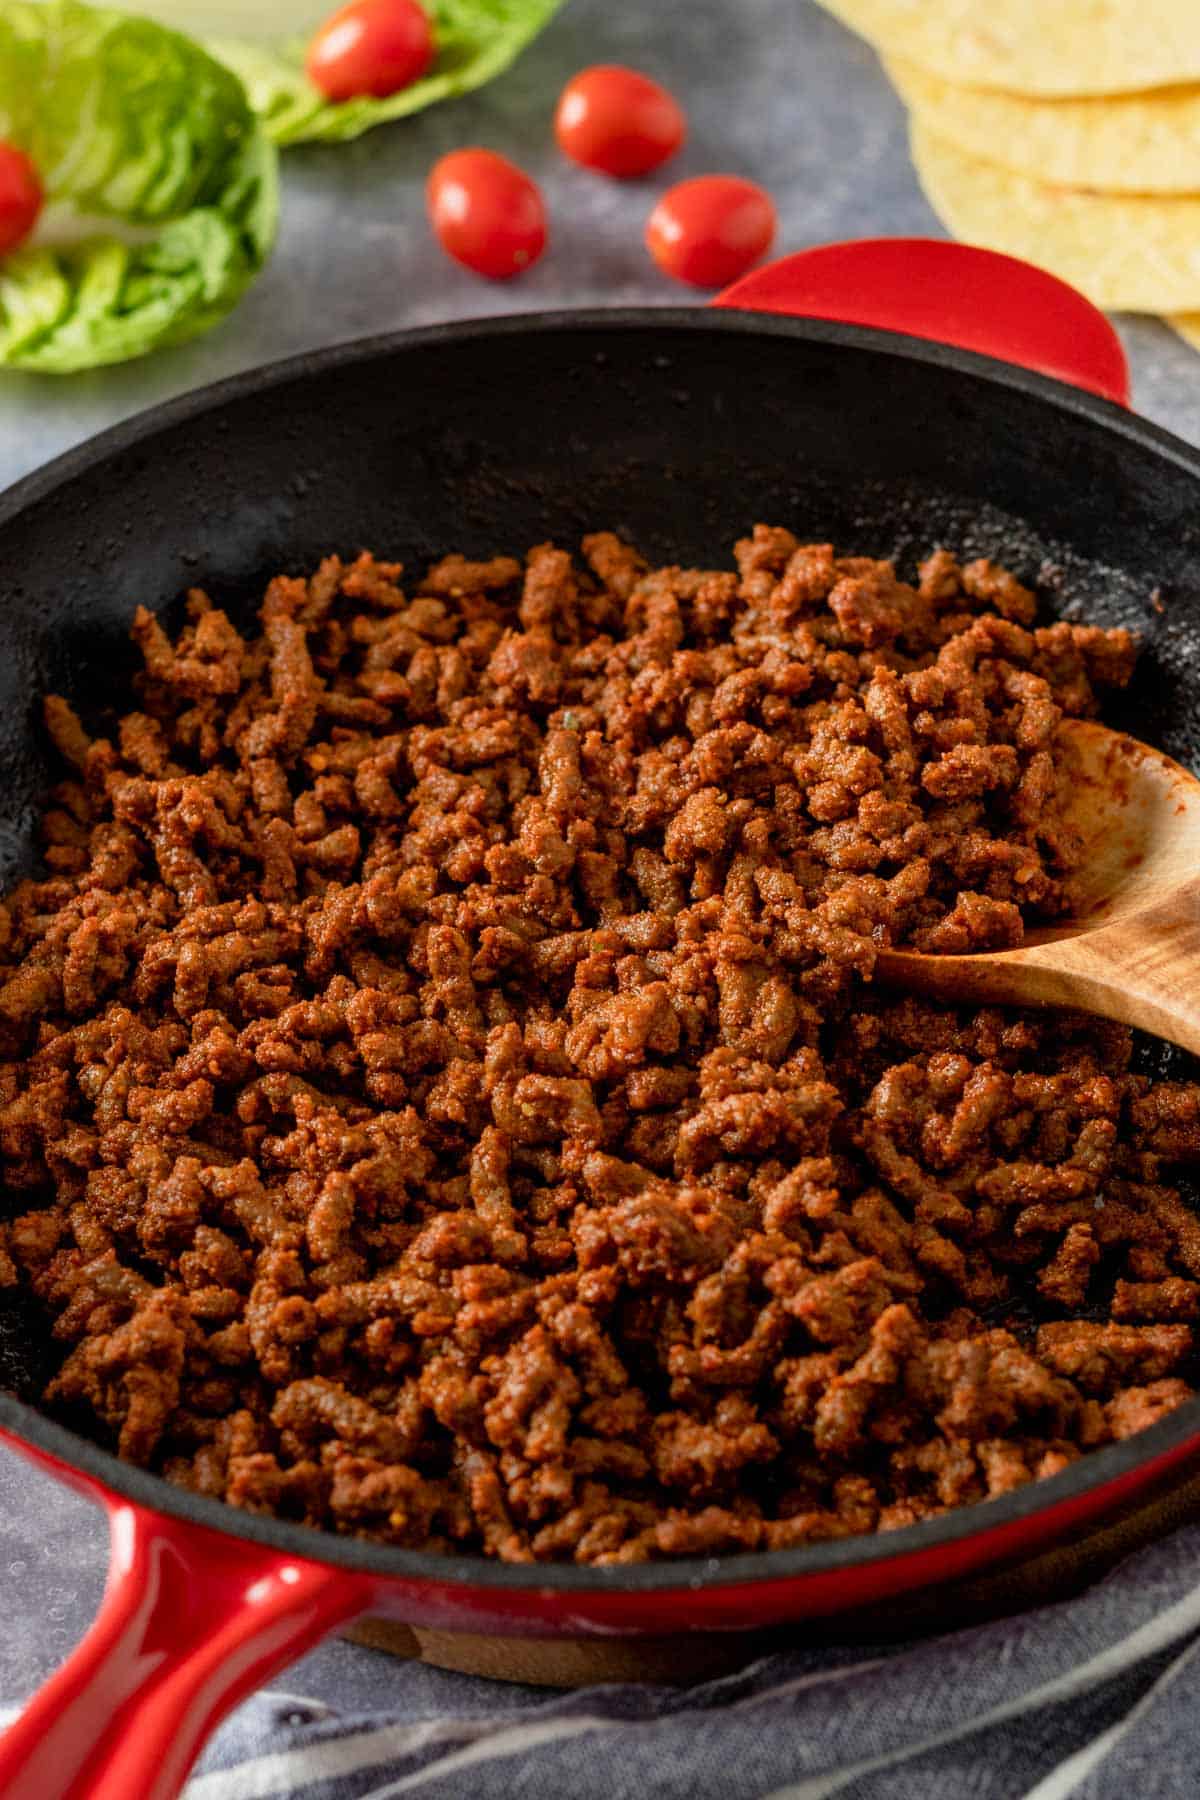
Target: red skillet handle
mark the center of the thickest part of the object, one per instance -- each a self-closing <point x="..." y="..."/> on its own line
<point x="191" y="1622"/>
<point x="951" y="293"/>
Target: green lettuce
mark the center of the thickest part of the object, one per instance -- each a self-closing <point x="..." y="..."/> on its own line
<point x="131" y="123"/>
<point x="476" y="40"/>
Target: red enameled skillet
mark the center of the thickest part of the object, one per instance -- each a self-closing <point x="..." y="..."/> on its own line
<point x="679" y="428"/>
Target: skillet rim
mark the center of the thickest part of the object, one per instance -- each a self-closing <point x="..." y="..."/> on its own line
<point x="1093" y="1471"/>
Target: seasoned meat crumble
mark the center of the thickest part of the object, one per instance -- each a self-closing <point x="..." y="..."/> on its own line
<point x="451" y="1099"/>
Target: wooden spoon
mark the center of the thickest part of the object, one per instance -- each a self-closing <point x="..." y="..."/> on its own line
<point x="1132" y="952"/>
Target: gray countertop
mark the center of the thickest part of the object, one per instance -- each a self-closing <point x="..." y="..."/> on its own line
<point x="775" y="89"/>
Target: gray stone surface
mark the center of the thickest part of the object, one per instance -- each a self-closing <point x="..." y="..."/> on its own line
<point x="775" y="89"/>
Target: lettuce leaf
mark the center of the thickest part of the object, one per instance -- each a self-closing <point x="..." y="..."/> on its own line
<point x="127" y="121"/>
<point x="476" y="40"/>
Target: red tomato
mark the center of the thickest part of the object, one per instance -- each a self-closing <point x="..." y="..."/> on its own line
<point x="486" y="212"/>
<point x="373" y="47"/>
<point x="20" y="197"/>
<point x="618" y="121"/>
<point x="709" y="230"/>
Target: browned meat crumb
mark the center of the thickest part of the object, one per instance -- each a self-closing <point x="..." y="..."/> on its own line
<point x="451" y="1106"/>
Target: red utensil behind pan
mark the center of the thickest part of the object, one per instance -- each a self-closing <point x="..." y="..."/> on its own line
<point x="952" y="293"/>
<point x="195" y="1617"/>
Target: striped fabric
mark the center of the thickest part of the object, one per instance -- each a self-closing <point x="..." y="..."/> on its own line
<point x="1097" y="1698"/>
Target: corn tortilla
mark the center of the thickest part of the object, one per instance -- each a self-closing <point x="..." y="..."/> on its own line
<point x="1048" y="47"/>
<point x="1125" y="252"/>
<point x="1188" y="327"/>
<point x="1131" y="143"/>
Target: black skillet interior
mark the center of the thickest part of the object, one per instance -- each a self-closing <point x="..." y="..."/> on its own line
<point x="677" y="429"/>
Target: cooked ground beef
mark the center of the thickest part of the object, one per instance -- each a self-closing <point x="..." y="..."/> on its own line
<point x="454" y="1108"/>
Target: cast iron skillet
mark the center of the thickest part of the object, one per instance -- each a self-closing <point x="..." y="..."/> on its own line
<point x="677" y="428"/>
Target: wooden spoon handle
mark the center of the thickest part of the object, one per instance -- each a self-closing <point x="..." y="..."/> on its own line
<point x="1143" y="970"/>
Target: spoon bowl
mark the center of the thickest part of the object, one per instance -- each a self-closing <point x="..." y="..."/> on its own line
<point x="1131" y="949"/>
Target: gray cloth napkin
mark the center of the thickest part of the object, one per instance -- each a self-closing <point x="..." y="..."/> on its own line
<point x="1097" y="1698"/>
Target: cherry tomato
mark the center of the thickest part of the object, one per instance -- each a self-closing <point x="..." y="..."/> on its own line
<point x="20" y="197"/>
<point x="618" y="121"/>
<point x="486" y="212"/>
<point x="373" y="47"/>
<point x="709" y="230"/>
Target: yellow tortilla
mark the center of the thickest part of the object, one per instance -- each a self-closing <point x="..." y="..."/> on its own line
<point x="1050" y="47"/>
<point x="1132" y="143"/>
<point x="1188" y="326"/>
<point x="1125" y="252"/>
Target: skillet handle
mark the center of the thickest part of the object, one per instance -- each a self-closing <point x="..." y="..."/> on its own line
<point x="950" y="293"/>
<point x="191" y="1622"/>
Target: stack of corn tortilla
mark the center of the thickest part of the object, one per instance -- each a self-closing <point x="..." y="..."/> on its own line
<point x="1066" y="132"/>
